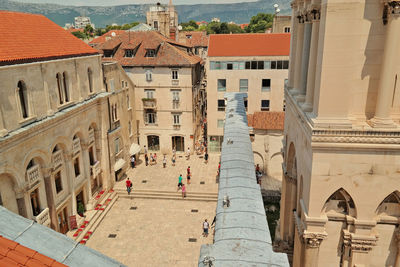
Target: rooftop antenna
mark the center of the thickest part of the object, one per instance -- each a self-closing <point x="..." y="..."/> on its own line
<point x="277" y="10"/>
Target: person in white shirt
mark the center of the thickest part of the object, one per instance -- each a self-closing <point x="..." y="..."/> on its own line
<point x="205" y="228"/>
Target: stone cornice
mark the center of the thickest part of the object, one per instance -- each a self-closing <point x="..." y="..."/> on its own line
<point x="313" y="239"/>
<point x="359" y="243"/>
<point x="356" y="136"/>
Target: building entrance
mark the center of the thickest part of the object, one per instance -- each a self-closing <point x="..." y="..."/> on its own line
<point x="80" y="206"/>
<point x="178" y="142"/>
<point x="62" y="221"/>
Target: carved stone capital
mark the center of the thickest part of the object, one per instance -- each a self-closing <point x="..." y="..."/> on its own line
<point x="359" y="243"/>
<point x="313" y="239"/>
<point x="393" y="7"/>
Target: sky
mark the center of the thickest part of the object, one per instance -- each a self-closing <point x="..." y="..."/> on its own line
<point x="125" y="2"/>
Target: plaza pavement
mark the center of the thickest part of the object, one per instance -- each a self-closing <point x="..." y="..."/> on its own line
<point x="156" y="232"/>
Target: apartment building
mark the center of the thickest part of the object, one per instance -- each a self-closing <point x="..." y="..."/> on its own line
<point x="169" y="93"/>
<point x="54" y="121"/>
<point x="253" y="63"/>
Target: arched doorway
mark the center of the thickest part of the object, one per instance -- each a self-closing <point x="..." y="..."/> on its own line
<point x="153" y="142"/>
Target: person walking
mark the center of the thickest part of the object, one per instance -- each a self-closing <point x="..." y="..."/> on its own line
<point x="133" y="161"/>
<point x="145" y="150"/>
<point x="164" y="162"/>
<point x="188" y="170"/>
<point x="128" y="186"/>
<point x="206" y="157"/>
<point x="179" y="182"/>
<point x="206" y="225"/>
<point x="173" y="160"/>
<point x="151" y="159"/>
<point x="155" y="158"/>
<point x="188" y="178"/>
<point x="146" y="159"/>
<point x="188" y="154"/>
<point x="183" y="191"/>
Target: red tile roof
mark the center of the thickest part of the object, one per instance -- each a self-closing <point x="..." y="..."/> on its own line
<point x="249" y="44"/>
<point x="196" y="39"/>
<point x="14" y="254"/>
<point x="36" y="38"/>
<point x="266" y="120"/>
<point x="169" y="52"/>
<point x="102" y="39"/>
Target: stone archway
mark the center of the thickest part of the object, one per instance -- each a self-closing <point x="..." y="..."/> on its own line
<point x="8" y="197"/>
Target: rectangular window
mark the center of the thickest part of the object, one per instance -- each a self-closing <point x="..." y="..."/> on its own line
<point x="112" y="85"/>
<point x="58" y="182"/>
<point x="217" y="65"/>
<point x="245" y="104"/>
<point x="241" y="65"/>
<point x="149" y="75"/>
<point x="266" y="85"/>
<point x="149" y="93"/>
<point x="176" y="119"/>
<point x="273" y="65"/>
<point x="247" y="65"/>
<point x="260" y="65"/>
<point x="175" y="99"/>
<point x="264" y="105"/>
<point x="220" y="123"/>
<point x="267" y="65"/>
<point x="129" y="53"/>
<point x="221" y="104"/>
<point x="117" y="145"/>
<point x="243" y="85"/>
<point x="150" y="118"/>
<point x="156" y="25"/>
<point x="150" y="53"/>
<point x="279" y="64"/>
<point x="287" y="29"/>
<point x="174" y="74"/>
<point x="286" y="64"/>
<point x="254" y="65"/>
<point x="76" y="167"/>
<point x="221" y="85"/>
<point x="229" y="66"/>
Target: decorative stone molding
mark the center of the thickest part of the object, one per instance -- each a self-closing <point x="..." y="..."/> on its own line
<point x="354" y="136"/>
<point x="359" y="243"/>
<point x="391" y="8"/>
<point x="313" y="239"/>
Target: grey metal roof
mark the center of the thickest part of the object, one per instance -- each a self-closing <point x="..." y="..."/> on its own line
<point x="141" y="27"/>
<point x="242" y="236"/>
<point x="50" y="243"/>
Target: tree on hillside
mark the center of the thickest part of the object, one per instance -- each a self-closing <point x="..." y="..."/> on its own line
<point x="260" y="22"/>
<point x="88" y="30"/>
<point x="189" y="26"/>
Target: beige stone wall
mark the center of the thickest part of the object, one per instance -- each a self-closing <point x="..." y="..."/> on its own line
<point x="281" y="24"/>
<point x="163" y="20"/>
<point x="255" y="94"/>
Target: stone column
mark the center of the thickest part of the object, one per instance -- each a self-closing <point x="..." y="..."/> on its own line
<point x="20" y="194"/>
<point x="305" y="59"/>
<point x="47" y="173"/>
<point x="391" y="58"/>
<point x="69" y="169"/>
<point x="312" y="241"/>
<point x="86" y="173"/>
<point x="299" y="53"/>
<point x="293" y="42"/>
<point x="309" y="100"/>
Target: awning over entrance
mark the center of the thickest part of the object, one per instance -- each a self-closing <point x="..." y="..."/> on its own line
<point x="135" y="148"/>
<point x="119" y="164"/>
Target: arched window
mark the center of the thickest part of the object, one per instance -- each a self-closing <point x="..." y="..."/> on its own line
<point x="23" y="99"/>
<point x="60" y="88"/>
<point x="65" y="85"/>
<point x="90" y="79"/>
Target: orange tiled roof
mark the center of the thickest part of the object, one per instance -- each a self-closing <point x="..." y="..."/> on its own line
<point x="169" y="52"/>
<point x="197" y="38"/>
<point x="250" y="44"/>
<point x="14" y="254"/>
<point x="266" y="120"/>
<point x="36" y="38"/>
<point x="102" y="39"/>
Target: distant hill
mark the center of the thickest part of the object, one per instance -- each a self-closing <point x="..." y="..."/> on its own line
<point x="102" y="16"/>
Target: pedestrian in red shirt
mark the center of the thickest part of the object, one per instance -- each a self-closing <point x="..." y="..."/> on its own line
<point x="128" y="186"/>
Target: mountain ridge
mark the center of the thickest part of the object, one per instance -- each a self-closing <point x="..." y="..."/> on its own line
<point x="107" y="15"/>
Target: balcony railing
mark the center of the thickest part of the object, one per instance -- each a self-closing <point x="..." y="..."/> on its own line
<point x="149" y="103"/>
<point x="57" y="158"/>
<point x="175" y="82"/>
<point x="95" y="169"/>
<point x="115" y="125"/>
<point x="91" y="136"/>
<point x="43" y="218"/>
<point x="76" y="145"/>
<point x="33" y="174"/>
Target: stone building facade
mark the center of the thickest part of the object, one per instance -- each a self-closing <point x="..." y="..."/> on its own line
<point x="281" y="24"/>
<point x="253" y="63"/>
<point x="54" y="123"/>
<point x="170" y="94"/>
<point x="164" y="19"/>
<point x="340" y="191"/>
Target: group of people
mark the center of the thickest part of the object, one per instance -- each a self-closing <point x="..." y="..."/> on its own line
<point x="181" y="186"/>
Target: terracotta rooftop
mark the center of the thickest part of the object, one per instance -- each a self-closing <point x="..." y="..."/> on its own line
<point x="36" y="38"/>
<point x="168" y="52"/>
<point x="193" y="38"/>
<point x="266" y="120"/>
<point x="14" y="254"/>
<point x="102" y="39"/>
<point x="249" y="44"/>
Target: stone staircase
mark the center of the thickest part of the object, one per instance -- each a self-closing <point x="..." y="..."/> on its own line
<point x="166" y="195"/>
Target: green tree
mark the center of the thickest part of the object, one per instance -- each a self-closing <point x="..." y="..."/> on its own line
<point x="189" y="26"/>
<point x="260" y="22"/>
<point x="80" y="35"/>
<point x="233" y="28"/>
<point x="88" y="30"/>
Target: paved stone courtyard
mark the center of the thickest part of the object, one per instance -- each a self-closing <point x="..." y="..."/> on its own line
<point x="157" y="231"/>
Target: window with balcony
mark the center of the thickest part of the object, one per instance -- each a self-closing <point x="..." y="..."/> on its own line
<point x="23" y="99"/>
<point x="221" y="85"/>
<point x="220" y="123"/>
<point x="221" y="104"/>
<point x="58" y="182"/>
<point x="77" y="167"/>
<point x="266" y="85"/>
<point x="243" y="85"/>
<point x="264" y="105"/>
